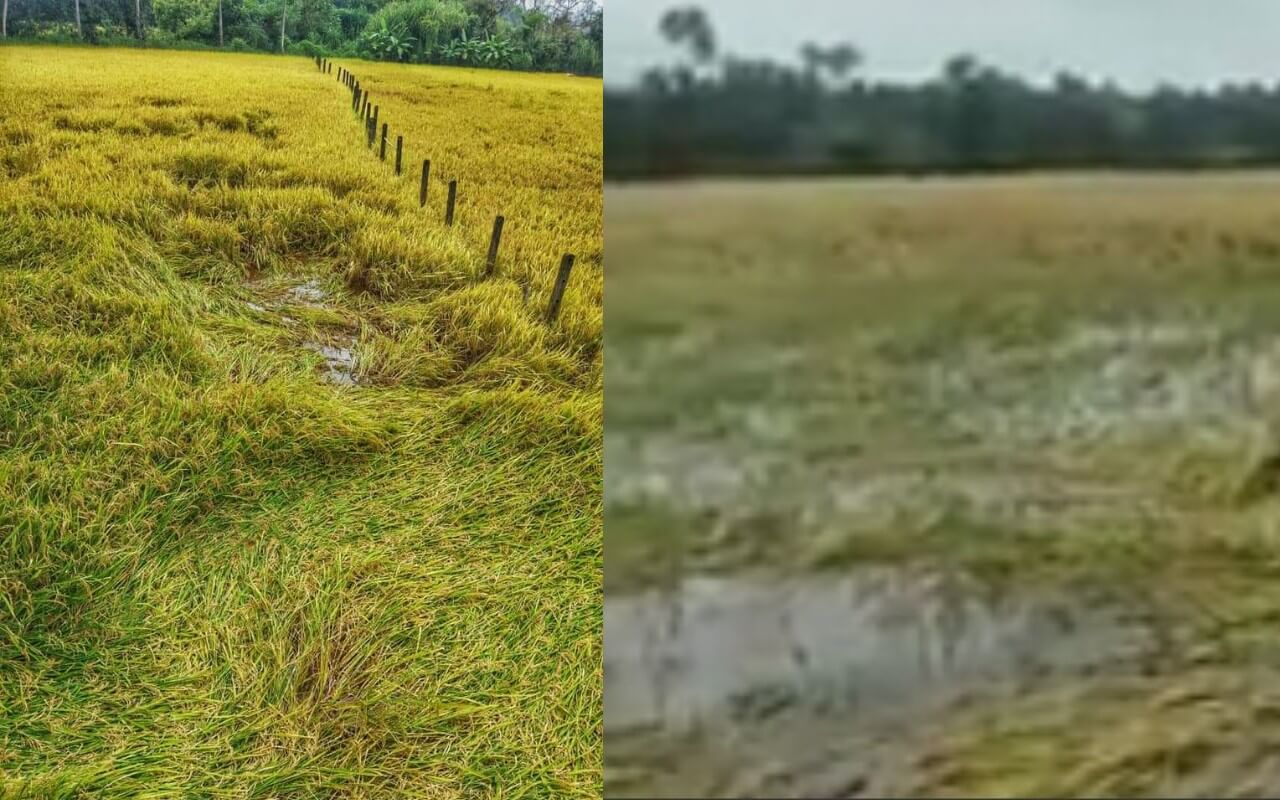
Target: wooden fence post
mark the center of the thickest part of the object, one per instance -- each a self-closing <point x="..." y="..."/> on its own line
<point x="491" y="263"/>
<point x="399" y="150"/>
<point x="453" y="196"/>
<point x="422" y="190"/>
<point x="557" y="291"/>
<point x="382" y="150"/>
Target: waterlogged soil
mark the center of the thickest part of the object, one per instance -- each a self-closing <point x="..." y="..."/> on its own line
<point x="757" y="650"/>
<point x="1009" y="437"/>
<point x="338" y="349"/>
<point x="753" y="657"/>
<point x="339" y="362"/>
<point x="309" y="293"/>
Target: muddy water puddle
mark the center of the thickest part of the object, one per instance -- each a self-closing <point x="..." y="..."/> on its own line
<point x="698" y="673"/>
<point x="310" y="294"/>
<point x="338" y="351"/>
<point x="339" y="362"/>
<point x="738" y="649"/>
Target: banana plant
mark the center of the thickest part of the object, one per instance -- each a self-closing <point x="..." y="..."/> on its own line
<point x="496" y="51"/>
<point x="462" y="50"/>
<point x="388" y="45"/>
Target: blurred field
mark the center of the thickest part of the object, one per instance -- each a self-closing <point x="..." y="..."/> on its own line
<point x="292" y="502"/>
<point x="975" y="477"/>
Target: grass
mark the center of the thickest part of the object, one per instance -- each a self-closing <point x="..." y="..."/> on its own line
<point x="221" y="576"/>
<point x="1040" y="381"/>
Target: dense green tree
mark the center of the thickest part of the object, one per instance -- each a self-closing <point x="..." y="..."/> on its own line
<point x="557" y="35"/>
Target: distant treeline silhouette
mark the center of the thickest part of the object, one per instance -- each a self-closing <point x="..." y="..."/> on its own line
<point x="714" y="113"/>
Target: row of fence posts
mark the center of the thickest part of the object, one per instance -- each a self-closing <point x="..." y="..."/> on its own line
<point x="361" y="105"/>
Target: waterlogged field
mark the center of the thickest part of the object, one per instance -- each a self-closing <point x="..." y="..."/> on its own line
<point x="961" y="488"/>
<point x="293" y="501"/>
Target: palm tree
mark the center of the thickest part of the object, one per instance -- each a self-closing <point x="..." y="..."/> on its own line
<point x="137" y="14"/>
<point x="842" y="59"/>
<point x="284" y="13"/>
<point x="4" y="20"/>
<point x="79" y="30"/>
<point x="813" y="58"/>
<point x="680" y="25"/>
<point x="960" y="69"/>
<point x="837" y="60"/>
<point x="219" y="23"/>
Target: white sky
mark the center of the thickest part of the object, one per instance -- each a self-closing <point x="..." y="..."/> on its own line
<point x="1139" y="43"/>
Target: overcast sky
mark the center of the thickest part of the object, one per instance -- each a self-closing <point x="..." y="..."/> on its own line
<point x="1139" y="43"/>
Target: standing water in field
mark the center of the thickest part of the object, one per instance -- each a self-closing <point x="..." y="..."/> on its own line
<point x="950" y="525"/>
<point x="719" y="659"/>
<point x="725" y="650"/>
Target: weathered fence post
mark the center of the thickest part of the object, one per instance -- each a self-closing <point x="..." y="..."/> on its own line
<point x="453" y="196"/>
<point x="491" y="263"/>
<point x="399" y="150"/>
<point x="369" y="132"/>
<point x="557" y="291"/>
<point x="422" y="190"/>
<point x="382" y="150"/>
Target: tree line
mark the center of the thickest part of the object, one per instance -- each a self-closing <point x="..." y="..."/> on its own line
<point x="544" y="35"/>
<point x="716" y="112"/>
